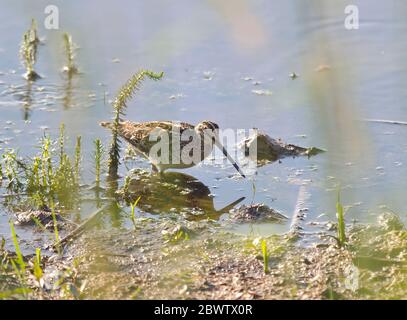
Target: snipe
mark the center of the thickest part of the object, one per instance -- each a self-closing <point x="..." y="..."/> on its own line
<point x="202" y="137"/>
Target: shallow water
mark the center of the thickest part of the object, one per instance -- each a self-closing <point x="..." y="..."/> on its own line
<point x="214" y="54"/>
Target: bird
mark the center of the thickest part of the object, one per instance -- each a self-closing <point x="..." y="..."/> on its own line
<point x="165" y="145"/>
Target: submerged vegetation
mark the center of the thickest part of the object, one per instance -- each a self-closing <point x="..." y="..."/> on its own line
<point x="28" y="51"/>
<point x="70" y="68"/>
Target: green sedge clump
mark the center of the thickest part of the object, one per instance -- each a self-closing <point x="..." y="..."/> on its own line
<point x="12" y="169"/>
<point x="47" y="177"/>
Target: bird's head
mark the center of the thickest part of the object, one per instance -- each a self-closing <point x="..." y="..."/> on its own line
<point x="211" y="129"/>
<point x="208" y="127"/>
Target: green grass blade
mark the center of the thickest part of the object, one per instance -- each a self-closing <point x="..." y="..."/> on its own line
<point x="20" y="259"/>
<point x="341" y="222"/>
<point x="265" y="256"/>
<point x="37" y="264"/>
<point x="133" y="210"/>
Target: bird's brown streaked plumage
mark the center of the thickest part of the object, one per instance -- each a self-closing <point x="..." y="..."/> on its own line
<point x="138" y="135"/>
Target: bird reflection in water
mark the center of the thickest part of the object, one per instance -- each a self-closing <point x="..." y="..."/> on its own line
<point x="174" y="192"/>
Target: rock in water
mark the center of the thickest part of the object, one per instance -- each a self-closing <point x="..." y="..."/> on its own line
<point x="270" y="150"/>
<point x="390" y="222"/>
<point x="256" y="213"/>
<point x="31" y="216"/>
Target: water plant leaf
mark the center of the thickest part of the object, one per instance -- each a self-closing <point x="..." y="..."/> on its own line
<point x="37" y="265"/>
<point x="341" y="222"/>
<point x="20" y="259"/>
<point x="265" y="255"/>
<point x="28" y="51"/>
<point x="313" y="151"/>
<point x="69" y="47"/>
<point x="120" y="103"/>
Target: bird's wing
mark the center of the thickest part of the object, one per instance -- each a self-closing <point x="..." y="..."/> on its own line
<point x="138" y="134"/>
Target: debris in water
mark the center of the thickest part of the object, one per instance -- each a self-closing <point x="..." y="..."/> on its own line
<point x="293" y="75"/>
<point x="269" y="149"/>
<point x="208" y="75"/>
<point x="262" y="92"/>
<point x="322" y="67"/>
<point x="256" y="212"/>
<point x="176" y="96"/>
<point x="31" y="217"/>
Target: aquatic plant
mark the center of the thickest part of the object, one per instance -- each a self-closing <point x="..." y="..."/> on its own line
<point x="15" y="268"/>
<point x="265" y="254"/>
<point x="70" y="67"/>
<point x="120" y="103"/>
<point x="20" y="259"/>
<point x="341" y="238"/>
<point x="253" y="190"/>
<point x="46" y="163"/>
<point x="62" y="181"/>
<point x="177" y="234"/>
<point x="37" y="270"/>
<point x="1" y="174"/>
<point x="39" y="224"/>
<point x="28" y="51"/>
<point x="56" y="232"/>
<point x="42" y="178"/>
<point x="78" y="147"/>
<point x="18" y="264"/>
<point x="98" y="156"/>
<point x="133" y="211"/>
<point x="11" y="170"/>
<point x="61" y="140"/>
<point x="126" y="185"/>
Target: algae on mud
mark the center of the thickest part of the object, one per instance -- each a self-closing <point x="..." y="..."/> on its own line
<point x="213" y="264"/>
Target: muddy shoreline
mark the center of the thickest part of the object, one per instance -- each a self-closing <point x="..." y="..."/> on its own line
<point x="154" y="262"/>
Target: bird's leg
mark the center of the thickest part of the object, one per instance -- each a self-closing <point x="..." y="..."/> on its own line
<point x="154" y="168"/>
<point x="157" y="170"/>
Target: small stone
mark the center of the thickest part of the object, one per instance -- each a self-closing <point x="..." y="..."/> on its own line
<point x="293" y="75"/>
<point x="257" y="212"/>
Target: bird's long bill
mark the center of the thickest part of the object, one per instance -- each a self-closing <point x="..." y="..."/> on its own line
<point x="221" y="147"/>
